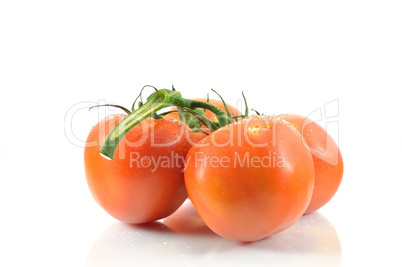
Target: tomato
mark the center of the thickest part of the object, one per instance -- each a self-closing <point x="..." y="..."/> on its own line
<point x="210" y="115"/>
<point x="250" y="179"/>
<point x="328" y="163"/>
<point x="145" y="180"/>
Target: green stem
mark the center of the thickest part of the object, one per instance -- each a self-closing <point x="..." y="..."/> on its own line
<point x="245" y="102"/>
<point x="140" y="96"/>
<point x="112" y="105"/>
<point x="156" y="101"/>
<point x="226" y="108"/>
<point x="211" y="125"/>
<point x="220" y="114"/>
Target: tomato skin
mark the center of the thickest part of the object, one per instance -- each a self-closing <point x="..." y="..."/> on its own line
<point x="250" y="202"/>
<point x="210" y="115"/>
<point x="328" y="163"/>
<point x="126" y="187"/>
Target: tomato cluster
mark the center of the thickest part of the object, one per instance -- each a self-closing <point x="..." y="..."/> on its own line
<point x="248" y="177"/>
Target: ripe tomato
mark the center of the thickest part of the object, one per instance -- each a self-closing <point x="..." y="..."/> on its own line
<point x="250" y="179"/>
<point x="200" y="135"/>
<point x="328" y="163"/>
<point x="145" y="180"/>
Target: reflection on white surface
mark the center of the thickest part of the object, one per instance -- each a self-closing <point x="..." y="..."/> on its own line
<point x="183" y="239"/>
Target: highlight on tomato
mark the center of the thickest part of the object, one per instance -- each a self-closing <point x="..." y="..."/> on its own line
<point x="328" y="162"/>
<point x="250" y="179"/>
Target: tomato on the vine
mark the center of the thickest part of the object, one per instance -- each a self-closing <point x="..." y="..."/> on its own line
<point x="250" y="179"/>
<point x="144" y="181"/>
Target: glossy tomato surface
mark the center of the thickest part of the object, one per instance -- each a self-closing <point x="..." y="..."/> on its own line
<point x="144" y="181"/>
<point x="328" y="162"/>
<point x="250" y="179"/>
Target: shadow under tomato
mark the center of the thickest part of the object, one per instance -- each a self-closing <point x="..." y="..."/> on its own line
<point x="186" y="221"/>
<point x="184" y="239"/>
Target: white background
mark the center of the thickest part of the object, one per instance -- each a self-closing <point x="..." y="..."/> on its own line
<point x="292" y="56"/>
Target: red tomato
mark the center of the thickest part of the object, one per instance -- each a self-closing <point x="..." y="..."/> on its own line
<point x="200" y="135"/>
<point x="328" y="163"/>
<point x="145" y="180"/>
<point x="250" y="179"/>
